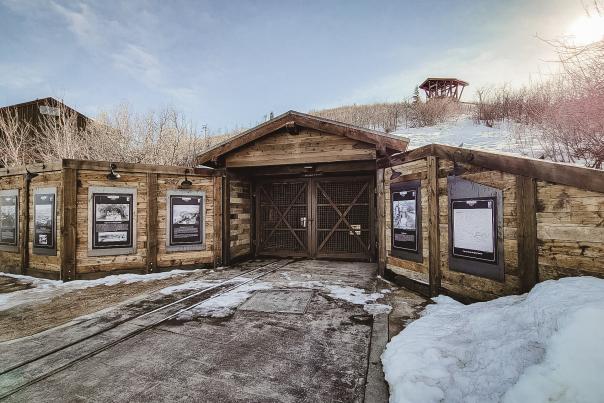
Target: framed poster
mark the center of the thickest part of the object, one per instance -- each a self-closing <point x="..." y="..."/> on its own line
<point x="44" y="242"/>
<point x="186" y="220"/>
<point x="9" y="220"/>
<point x="406" y="214"/>
<point x="475" y="229"/>
<point x="112" y="223"/>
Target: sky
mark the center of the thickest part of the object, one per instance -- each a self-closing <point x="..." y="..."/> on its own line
<point x="226" y="64"/>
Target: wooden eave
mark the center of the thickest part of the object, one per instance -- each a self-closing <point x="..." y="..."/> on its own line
<point x="121" y="167"/>
<point x="555" y="172"/>
<point x="291" y="121"/>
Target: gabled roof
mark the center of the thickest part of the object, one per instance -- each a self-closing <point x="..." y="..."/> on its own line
<point x="49" y="101"/>
<point x="425" y="85"/>
<point x="291" y="120"/>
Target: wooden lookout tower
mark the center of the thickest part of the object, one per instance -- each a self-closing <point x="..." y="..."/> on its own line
<point x="443" y="88"/>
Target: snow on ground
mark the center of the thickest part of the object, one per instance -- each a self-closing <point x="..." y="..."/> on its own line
<point x="462" y="129"/>
<point x="225" y="304"/>
<point x="358" y="296"/>
<point x="544" y="346"/>
<point x="43" y="290"/>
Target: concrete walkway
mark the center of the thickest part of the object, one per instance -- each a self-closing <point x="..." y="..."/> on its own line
<point x="250" y="355"/>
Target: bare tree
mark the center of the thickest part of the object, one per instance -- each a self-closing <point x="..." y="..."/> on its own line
<point x="16" y="140"/>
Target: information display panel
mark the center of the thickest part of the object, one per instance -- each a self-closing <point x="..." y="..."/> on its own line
<point x="185" y="215"/>
<point x="405" y="211"/>
<point x="185" y="220"/>
<point x="45" y="218"/>
<point x="112" y="222"/>
<point x="475" y="229"/>
<point x="9" y="219"/>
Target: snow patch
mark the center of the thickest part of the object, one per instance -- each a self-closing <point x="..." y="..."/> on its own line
<point x="188" y="286"/>
<point x="544" y="346"/>
<point x="45" y="290"/>
<point x="225" y="304"/>
<point x="359" y="296"/>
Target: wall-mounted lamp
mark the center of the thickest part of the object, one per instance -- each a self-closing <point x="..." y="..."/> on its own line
<point x="186" y="183"/>
<point x="395" y="174"/>
<point x="112" y="175"/>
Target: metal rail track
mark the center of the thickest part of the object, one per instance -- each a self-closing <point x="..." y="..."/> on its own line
<point x="277" y="263"/>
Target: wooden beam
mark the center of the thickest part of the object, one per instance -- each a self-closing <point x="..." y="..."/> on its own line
<point x="152" y="228"/>
<point x="226" y="220"/>
<point x="24" y="224"/>
<point x="549" y="171"/>
<point x="217" y="221"/>
<point x="526" y="216"/>
<point x="137" y="168"/>
<point x="33" y="168"/>
<point x="333" y="167"/>
<point x="69" y="224"/>
<point x="433" y="227"/>
<point x="555" y="172"/>
<point x="381" y="221"/>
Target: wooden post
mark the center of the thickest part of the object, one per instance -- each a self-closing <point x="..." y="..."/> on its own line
<point x="226" y="220"/>
<point x="433" y="227"/>
<point x="69" y="224"/>
<point x="528" y="263"/>
<point x="24" y="224"/>
<point x="381" y="224"/>
<point x="152" y="191"/>
<point x="217" y="221"/>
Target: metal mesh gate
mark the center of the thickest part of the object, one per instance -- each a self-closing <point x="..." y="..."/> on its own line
<point x="318" y="217"/>
<point x="344" y="218"/>
<point x="283" y="218"/>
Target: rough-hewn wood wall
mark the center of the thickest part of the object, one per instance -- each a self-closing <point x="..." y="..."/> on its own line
<point x="306" y="147"/>
<point x="466" y="284"/>
<point x="11" y="261"/>
<point x="414" y="270"/>
<point x="176" y="259"/>
<point x="88" y="266"/>
<point x="240" y="218"/>
<point x="570" y="231"/>
<point x="42" y="263"/>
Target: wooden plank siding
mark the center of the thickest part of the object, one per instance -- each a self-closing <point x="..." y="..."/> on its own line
<point x="305" y="147"/>
<point x="10" y="261"/>
<point x="414" y="270"/>
<point x="549" y="230"/>
<point x="240" y="218"/>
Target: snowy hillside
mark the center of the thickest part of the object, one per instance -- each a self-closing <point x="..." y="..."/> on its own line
<point x="463" y="130"/>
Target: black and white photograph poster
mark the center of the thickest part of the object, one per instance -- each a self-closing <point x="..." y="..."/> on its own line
<point x="9" y="218"/>
<point x="186" y="218"/>
<point x="112" y="222"/>
<point x="474" y="229"/>
<point x="404" y="220"/>
<point x="44" y="219"/>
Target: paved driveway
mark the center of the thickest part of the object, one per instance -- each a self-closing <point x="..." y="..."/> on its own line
<point x="243" y="355"/>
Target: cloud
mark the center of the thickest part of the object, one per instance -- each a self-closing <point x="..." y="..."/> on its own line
<point x="83" y="22"/>
<point x="139" y="63"/>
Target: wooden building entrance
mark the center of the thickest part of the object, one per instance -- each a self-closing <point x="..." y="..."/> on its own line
<point x="316" y="217"/>
<point x="301" y="186"/>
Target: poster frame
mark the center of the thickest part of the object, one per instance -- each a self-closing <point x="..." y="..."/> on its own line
<point x="129" y="250"/>
<point x="408" y="254"/>
<point x="459" y="189"/>
<point x="185" y="247"/>
<point x="38" y="249"/>
<point x="9" y="247"/>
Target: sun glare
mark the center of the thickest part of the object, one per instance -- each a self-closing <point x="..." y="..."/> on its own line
<point x="585" y="30"/>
